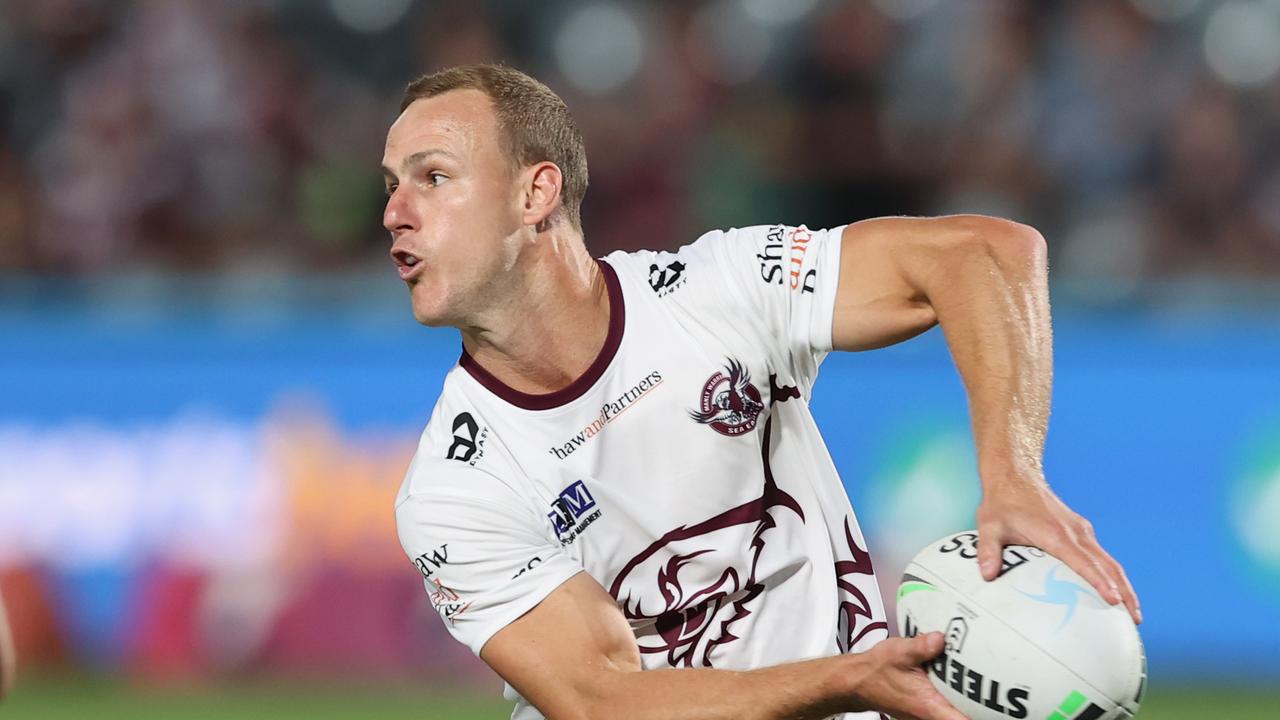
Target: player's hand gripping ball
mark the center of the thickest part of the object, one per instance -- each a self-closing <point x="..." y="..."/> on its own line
<point x="1037" y="642"/>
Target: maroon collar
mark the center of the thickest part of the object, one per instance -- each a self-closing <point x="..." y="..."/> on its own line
<point x="575" y="389"/>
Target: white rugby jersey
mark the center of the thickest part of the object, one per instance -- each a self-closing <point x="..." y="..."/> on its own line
<point x="683" y="471"/>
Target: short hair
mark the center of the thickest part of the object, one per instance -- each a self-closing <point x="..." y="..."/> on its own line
<point x="534" y="123"/>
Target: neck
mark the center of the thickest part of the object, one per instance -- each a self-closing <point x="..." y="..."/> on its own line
<point x="554" y="323"/>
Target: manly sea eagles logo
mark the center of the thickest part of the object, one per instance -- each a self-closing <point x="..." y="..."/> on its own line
<point x="730" y="404"/>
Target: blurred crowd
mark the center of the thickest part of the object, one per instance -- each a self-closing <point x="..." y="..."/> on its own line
<point x="240" y="141"/>
<point x="176" y="136"/>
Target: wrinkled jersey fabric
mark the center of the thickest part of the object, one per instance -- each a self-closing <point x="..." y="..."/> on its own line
<point x="683" y="471"/>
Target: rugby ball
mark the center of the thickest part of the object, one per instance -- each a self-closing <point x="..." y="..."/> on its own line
<point x="1037" y="642"/>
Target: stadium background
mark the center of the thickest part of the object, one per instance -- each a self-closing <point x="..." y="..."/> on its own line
<point x="210" y="382"/>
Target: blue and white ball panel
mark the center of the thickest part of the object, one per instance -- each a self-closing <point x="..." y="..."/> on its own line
<point x="1036" y="642"/>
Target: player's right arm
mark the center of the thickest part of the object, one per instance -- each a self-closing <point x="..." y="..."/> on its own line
<point x="8" y="657"/>
<point x="505" y="586"/>
<point x="573" y="656"/>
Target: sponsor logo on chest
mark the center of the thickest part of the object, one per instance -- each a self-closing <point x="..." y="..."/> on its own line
<point x="609" y="412"/>
<point x="572" y="512"/>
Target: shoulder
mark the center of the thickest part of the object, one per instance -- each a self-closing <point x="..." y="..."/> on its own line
<point x="454" y="458"/>
<point x="706" y="248"/>
<point x="446" y="498"/>
<point x="760" y="255"/>
<point x="460" y="425"/>
<point x="705" y="261"/>
<point x="451" y="459"/>
<point x="429" y="476"/>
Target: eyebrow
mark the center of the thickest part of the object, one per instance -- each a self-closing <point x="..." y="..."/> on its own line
<point x="417" y="158"/>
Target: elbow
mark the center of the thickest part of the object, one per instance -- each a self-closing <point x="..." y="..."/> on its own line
<point x="604" y="698"/>
<point x="1021" y="242"/>
<point x="1008" y="243"/>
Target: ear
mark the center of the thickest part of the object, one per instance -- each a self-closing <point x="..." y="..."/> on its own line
<point x="542" y="184"/>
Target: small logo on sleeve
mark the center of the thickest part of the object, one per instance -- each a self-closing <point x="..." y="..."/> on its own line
<point x="795" y="245"/>
<point x="432" y="560"/>
<point x="807" y="281"/>
<point x="448" y="603"/>
<point x="666" y="279"/>
<point x="770" y="256"/>
<point x="530" y="564"/>
<point x="468" y="440"/>
<point x="729" y="403"/>
<point x="572" y="512"/>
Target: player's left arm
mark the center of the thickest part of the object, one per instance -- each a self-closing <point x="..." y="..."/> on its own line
<point x="8" y="658"/>
<point x="985" y="281"/>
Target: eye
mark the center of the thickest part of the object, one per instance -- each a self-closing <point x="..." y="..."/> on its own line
<point x="435" y="178"/>
<point x="391" y="190"/>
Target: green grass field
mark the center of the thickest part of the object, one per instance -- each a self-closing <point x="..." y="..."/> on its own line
<point x="104" y="700"/>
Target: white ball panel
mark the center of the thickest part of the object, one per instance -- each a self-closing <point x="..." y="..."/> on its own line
<point x="1039" y="604"/>
<point x="989" y="671"/>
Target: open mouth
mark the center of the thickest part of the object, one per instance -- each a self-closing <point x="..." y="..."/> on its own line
<point x="408" y="264"/>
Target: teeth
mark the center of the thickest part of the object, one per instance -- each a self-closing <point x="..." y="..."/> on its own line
<point x="410" y="261"/>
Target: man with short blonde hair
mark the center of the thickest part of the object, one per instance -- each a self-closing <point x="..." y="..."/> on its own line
<point x="533" y="123"/>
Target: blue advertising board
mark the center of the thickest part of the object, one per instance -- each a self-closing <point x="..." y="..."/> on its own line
<point x="1166" y="434"/>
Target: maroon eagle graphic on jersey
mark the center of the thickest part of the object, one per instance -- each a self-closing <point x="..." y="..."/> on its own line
<point x="705" y="583"/>
<point x="700" y="601"/>
<point x="855" y="618"/>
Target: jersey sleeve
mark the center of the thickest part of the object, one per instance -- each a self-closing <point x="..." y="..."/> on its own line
<point x="775" y="283"/>
<point x="484" y="555"/>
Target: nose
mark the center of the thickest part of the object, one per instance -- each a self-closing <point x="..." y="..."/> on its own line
<point x="398" y="216"/>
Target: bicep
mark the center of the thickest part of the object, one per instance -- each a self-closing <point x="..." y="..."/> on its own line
<point x="556" y="654"/>
<point x="889" y="267"/>
<point x="878" y="303"/>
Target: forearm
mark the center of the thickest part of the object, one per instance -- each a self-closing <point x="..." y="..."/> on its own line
<point x="991" y="297"/>
<point x="8" y="660"/>
<point x="803" y="690"/>
<point x="575" y="658"/>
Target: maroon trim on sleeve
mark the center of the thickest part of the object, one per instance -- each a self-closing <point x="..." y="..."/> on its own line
<point x="575" y="389"/>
